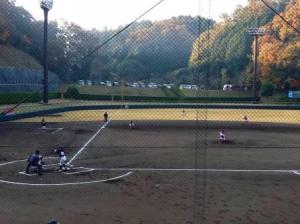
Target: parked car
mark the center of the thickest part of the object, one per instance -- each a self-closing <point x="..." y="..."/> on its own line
<point x="89" y="83"/>
<point x="152" y="85"/>
<point x="227" y="87"/>
<point x="81" y="82"/>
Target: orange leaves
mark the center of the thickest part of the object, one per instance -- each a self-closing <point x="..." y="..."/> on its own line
<point x="280" y="49"/>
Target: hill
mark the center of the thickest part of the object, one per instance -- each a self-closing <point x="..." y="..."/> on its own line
<point x="14" y="58"/>
<point x="20" y="72"/>
<point x="223" y="54"/>
<point x="145" y="51"/>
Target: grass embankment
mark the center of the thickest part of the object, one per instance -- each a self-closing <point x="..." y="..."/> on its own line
<point x="159" y="92"/>
<point x="215" y="93"/>
<point x="116" y="91"/>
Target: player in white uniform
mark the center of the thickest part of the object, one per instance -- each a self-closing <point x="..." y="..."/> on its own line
<point x="131" y="125"/>
<point x="62" y="159"/>
<point x="222" y="137"/>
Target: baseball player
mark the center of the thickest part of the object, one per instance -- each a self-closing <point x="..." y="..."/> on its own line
<point x="222" y="137"/>
<point x="43" y="123"/>
<point x="131" y="125"/>
<point x="105" y="117"/>
<point x="62" y="159"/>
<point x="53" y="222"/>
<point x="35" y="160"/>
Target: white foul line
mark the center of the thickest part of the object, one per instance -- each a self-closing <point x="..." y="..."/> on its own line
<point x="88" y="142"/>
<point x="12" y="162"/>
<point x="23" y="160"/>
<point x="199" y="170"/>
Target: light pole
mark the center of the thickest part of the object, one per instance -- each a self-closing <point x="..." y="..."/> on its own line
<point x="46" y="5"/>
<point x="255" y="32"/>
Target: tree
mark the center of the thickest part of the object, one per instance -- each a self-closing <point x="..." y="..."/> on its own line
<point x="280" y="49"/>
<point x="267" y="89"/>
<point x="227" y="45"/>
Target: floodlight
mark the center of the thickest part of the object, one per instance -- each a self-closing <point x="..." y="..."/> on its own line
<point x="256" y="31"/>
<point x="46" y="4"/>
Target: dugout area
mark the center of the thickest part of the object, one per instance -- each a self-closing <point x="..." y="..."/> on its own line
<point x="169" y="169"/>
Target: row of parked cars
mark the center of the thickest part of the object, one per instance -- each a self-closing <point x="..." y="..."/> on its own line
<point x="139" y="84"/>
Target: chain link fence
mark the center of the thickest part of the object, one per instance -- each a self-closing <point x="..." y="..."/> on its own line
<point x="184" y="119"/>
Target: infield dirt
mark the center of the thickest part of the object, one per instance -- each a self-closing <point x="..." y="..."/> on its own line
<point x="156" y="195"/>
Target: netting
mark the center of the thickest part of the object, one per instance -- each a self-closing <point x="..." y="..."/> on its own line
<point x="180" y="113"/>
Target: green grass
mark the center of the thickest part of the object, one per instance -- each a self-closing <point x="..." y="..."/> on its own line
<point x="104" y="90"/>
<point x="160" y="92"/>
<point x="279" y="98"/>
<point x="214" y="93"/>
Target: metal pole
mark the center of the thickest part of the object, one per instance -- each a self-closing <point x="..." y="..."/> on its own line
<point x="122" y="89"/>
<point x="45" y="80"/>
<point x="255" y="69"/>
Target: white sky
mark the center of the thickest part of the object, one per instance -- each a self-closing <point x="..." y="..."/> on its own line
<point x="113" y="13"/>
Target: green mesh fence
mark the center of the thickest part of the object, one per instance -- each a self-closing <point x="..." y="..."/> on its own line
<point x="156" y="112"/>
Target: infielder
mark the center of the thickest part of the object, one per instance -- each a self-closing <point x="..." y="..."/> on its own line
<point x="131" y="125"/>
<point x="222" y="137"/>
<point x="105" y="117"/>
<point x="43" y="124"/>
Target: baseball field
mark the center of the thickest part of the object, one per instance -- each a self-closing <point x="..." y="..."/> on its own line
<point x="171" y="168"/>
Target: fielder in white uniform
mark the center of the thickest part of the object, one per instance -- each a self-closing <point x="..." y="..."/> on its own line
<point x="222" y="137"/>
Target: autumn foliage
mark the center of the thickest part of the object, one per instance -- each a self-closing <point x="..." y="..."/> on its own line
<point x="280" y="49"/>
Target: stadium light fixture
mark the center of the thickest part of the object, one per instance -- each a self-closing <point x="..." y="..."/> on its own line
<point x="46" y="5"/>
<point x="255" y="32"/>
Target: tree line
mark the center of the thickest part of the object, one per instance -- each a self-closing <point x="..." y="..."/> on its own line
<point x="146" y="51"/>
<point x="183" y="49"/>
<point x="224" y="53"/>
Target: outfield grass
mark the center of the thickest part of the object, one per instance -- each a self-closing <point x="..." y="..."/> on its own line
<point x="214" y="93"/>
<point x="272" y="116"/>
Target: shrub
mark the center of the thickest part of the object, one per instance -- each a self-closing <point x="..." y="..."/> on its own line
<point x="267" y="89"/>
<point x="72" y="92"/>
<point x="13" y="98"/>
<point x="177" y="92"/>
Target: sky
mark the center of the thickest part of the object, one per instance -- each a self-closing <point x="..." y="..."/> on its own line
<point x="111" y="14"/>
